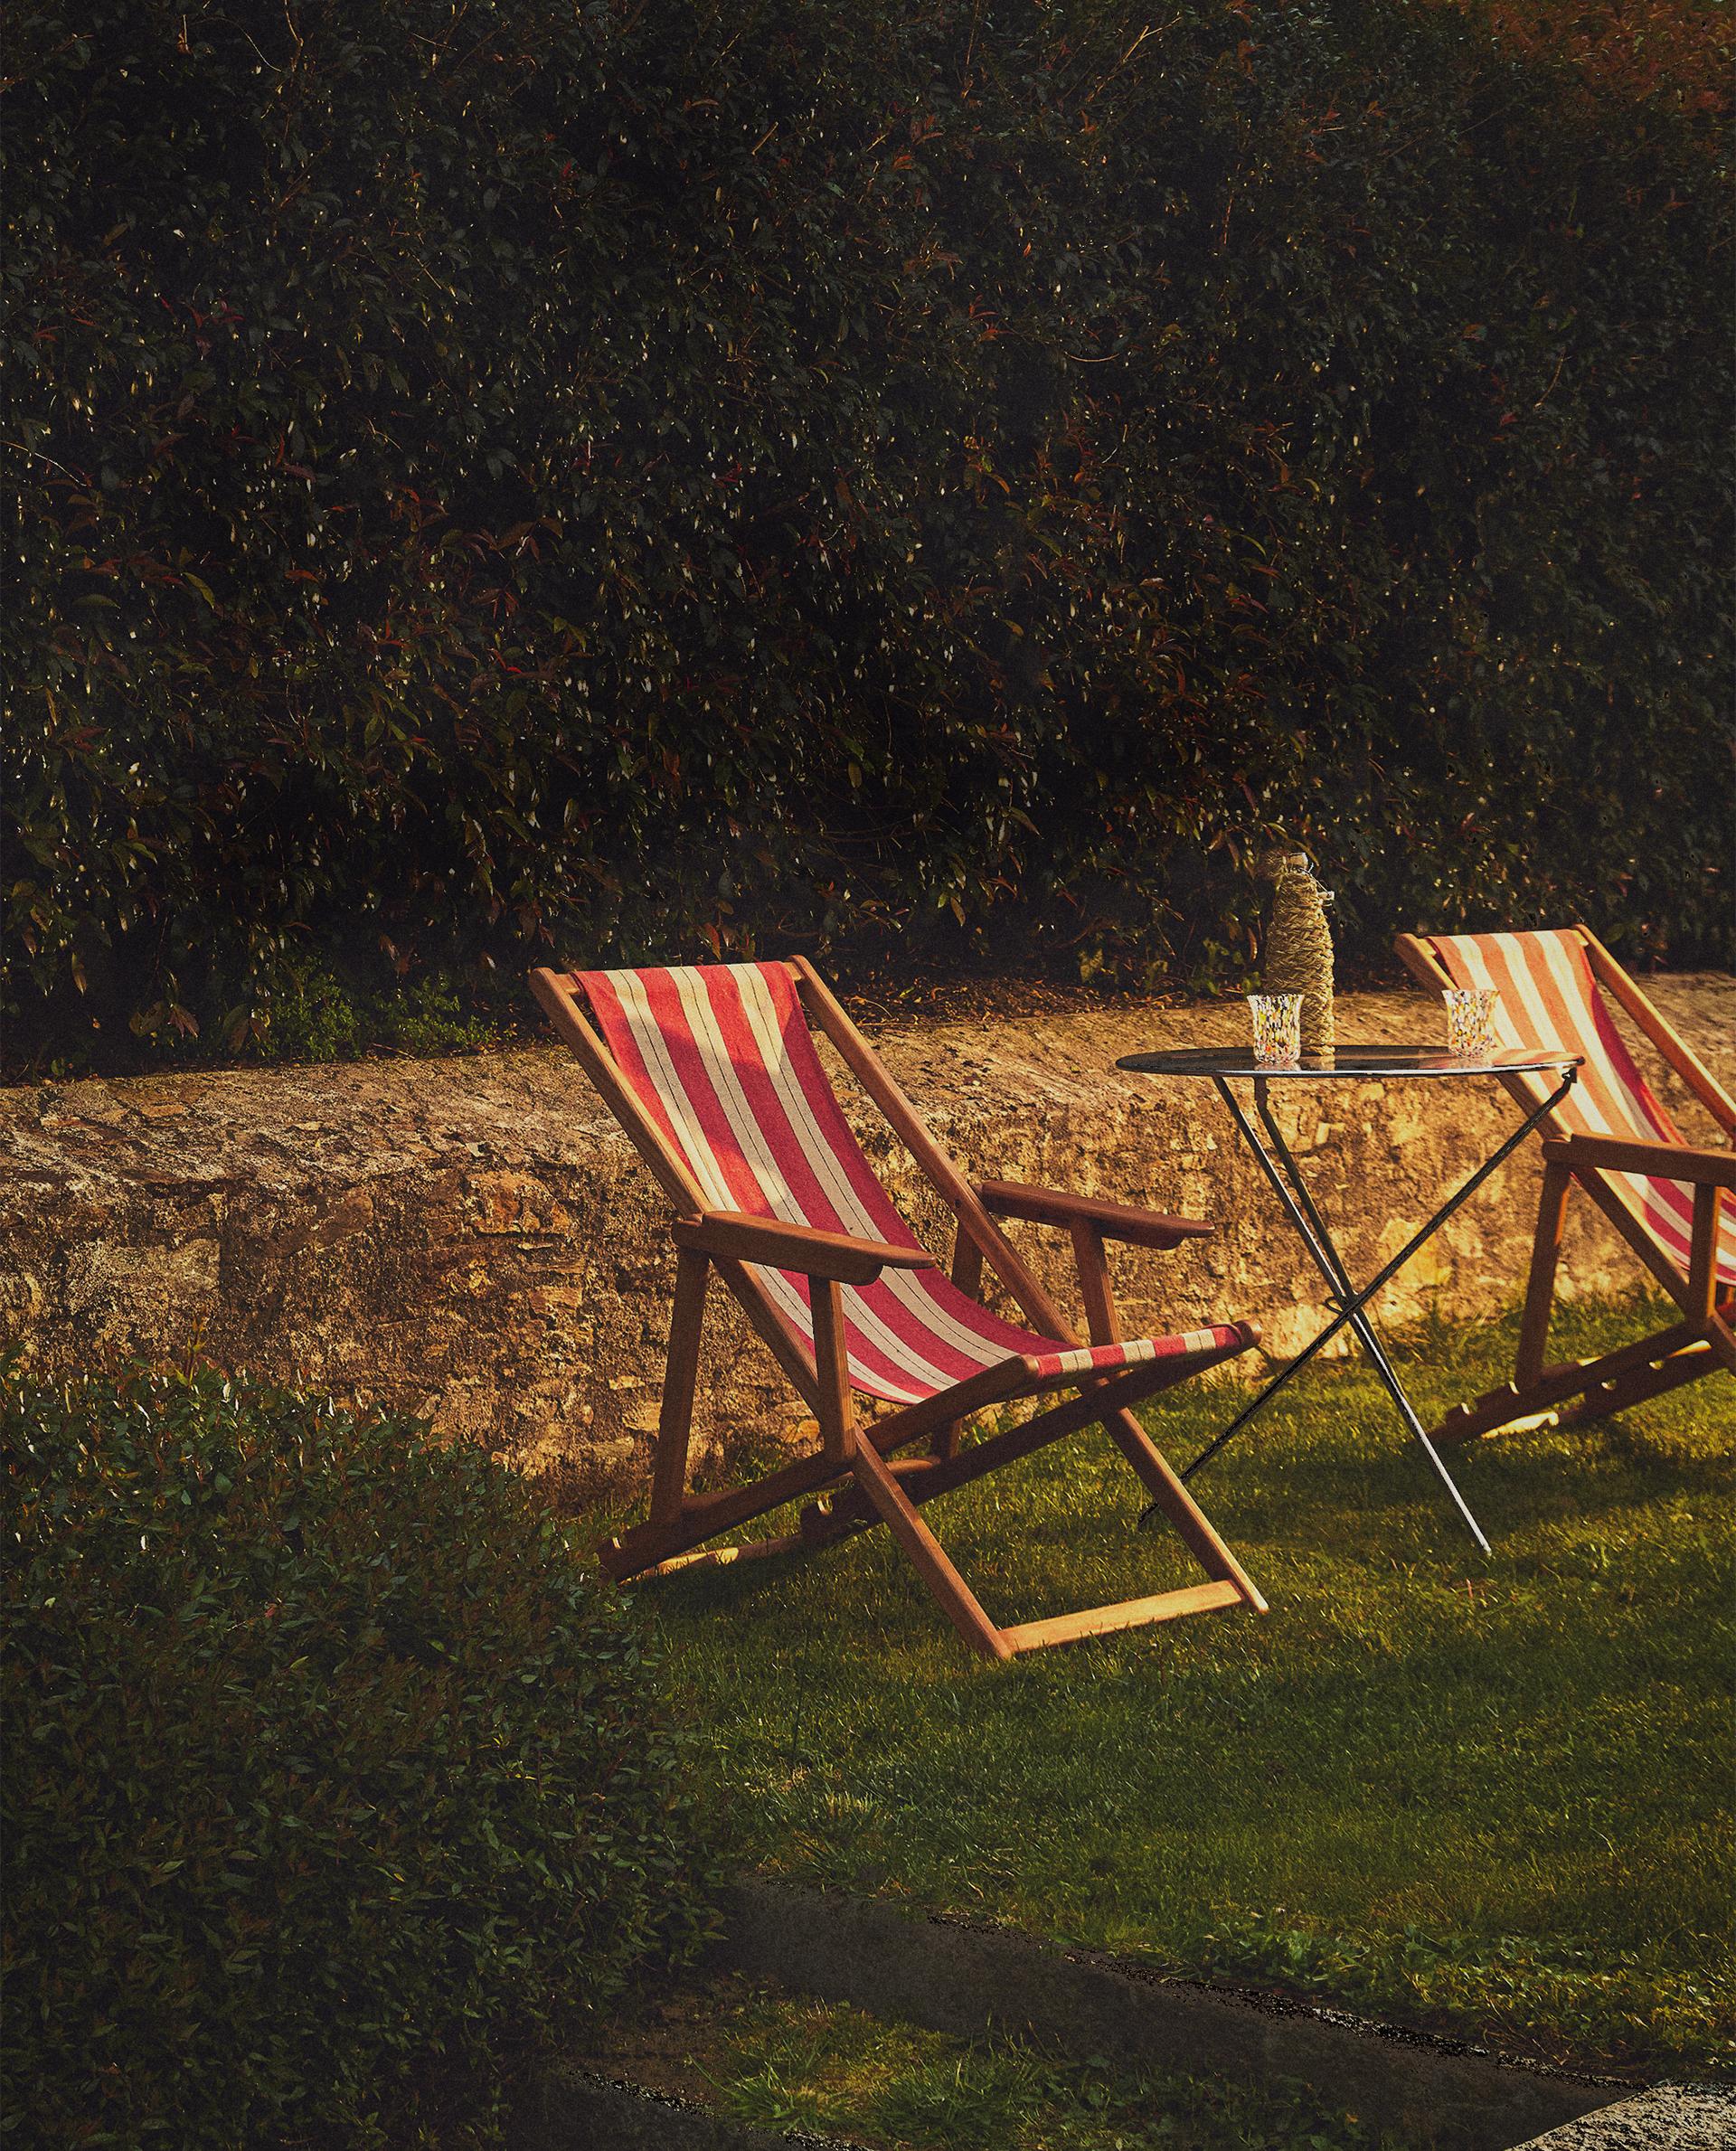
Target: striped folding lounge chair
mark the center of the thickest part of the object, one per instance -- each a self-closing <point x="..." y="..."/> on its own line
<point x="1611" y="1137"/>
<point x="714" y="1075"/>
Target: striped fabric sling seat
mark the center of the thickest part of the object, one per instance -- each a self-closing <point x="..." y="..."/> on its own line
<point x="713" y="1073"/>
<point x="723" y="1062"/>
<point x="1674" y="1203"/>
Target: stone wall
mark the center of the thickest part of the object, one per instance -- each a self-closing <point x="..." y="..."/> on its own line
<point x="472" y="1238"/>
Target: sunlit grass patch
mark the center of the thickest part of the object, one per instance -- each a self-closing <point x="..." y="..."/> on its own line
<point x="1487" y="1794"/>
<point x="833" y="2070"/>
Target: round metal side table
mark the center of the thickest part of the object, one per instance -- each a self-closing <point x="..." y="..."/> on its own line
<point x="1225" y="1065"/>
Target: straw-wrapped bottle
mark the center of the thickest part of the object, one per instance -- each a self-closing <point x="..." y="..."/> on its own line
<point x="1299" y="946"/>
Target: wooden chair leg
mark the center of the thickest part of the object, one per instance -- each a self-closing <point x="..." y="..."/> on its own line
<point x="1130" y="1613"/>
<point x="877" y="1481"/>
<point x="1178" y="1504"/>
<point x="1165" y="1488"/>
<point x="1577" y="1395"/>
<point x="680" y="1380"/>
<point x="833" y="1406"/>
<point x="1721" y="1331"/>
<point x="1557" y="1385"/>
<point x="1540" y="1291"/>
<point x="704" y="1516"/>
<point x="1638" y="1385"/>
<point x="1702" y="1302"/>
<point x="875" y="1477"/>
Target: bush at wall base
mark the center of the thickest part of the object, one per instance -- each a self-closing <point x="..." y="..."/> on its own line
<point x="331" y="1780"/>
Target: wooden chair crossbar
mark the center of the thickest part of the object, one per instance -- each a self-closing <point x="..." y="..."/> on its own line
<point x="713" y="1074"/>
<point x="1674" y="1204"/>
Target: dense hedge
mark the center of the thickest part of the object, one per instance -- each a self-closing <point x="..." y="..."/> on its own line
<point x="640" y="477"/>
<point x="328" y="1782"/>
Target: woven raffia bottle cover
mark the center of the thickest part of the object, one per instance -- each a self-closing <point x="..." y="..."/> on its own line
<point x="1298" y="945"/>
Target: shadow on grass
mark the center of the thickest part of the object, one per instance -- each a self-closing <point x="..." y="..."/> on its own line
<point x="1486" y="1793"/>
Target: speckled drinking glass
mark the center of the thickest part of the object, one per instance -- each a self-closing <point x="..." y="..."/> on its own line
<point x="1278" y="1028"/>
<point x="1470" y="1021"/>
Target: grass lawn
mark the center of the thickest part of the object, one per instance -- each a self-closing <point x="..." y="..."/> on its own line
<point x="1490" y="1796"/>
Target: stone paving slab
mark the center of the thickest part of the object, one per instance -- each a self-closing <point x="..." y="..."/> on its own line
<point x="1667" y="2117"/>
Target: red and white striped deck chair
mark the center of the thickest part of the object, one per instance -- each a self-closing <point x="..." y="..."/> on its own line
<point x="713" y="1074"/>
<point x="1675" y="1205"/>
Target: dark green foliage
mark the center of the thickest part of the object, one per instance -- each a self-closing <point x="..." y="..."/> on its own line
<point x="330" y="1782"/>
<point x="629" y="479"/>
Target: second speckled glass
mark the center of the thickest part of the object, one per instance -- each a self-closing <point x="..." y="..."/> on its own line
<point x="1278" y="1028"/>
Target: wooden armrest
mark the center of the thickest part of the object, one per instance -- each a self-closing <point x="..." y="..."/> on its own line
<point x="1114" y="1220"/>
<point x="738" y="1238"/>
<point x="1663" y="1161"/>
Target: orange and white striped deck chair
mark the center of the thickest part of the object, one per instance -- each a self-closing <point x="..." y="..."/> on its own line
<point x="714" y="1075"/>
<point x="1674" y="1204"/>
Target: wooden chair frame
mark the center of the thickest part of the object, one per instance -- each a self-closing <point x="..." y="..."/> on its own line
<point x="875" y="1484"/>
<point x="1577" y="1393"/>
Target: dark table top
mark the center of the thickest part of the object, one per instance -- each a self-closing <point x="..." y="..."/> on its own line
<point x="1384" y="1061"/>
